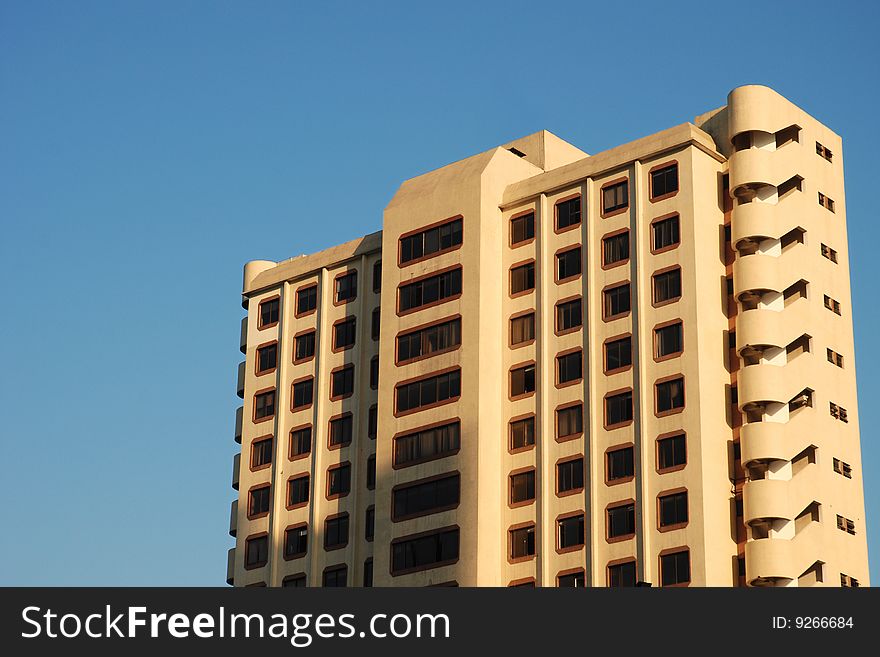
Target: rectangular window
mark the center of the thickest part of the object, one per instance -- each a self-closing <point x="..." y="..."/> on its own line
<point x="306" y="300"/>
<point x="570" y="475"/>
<point x="615" y="197"/>
<point x="522" y="487"/>
<point x="522" y="433"/>
<point x="256" y="552"/>
<point x="264" y="404"/>
<point x="427" y="444"/>
<point x="618" y="408"/>
<point x="822" y="151"/>
<point x="621" y="520"/>
<point x="304" y="346"/>
<point x="373" y="422"/>
<point x="300" y="442"/>
<point x="522" y="228"/>
<point x="670" y="396"/>
<point x="431" y="290"/>
<point x="371" y="472"/>
<point x="842" y="468"/>
<point x="828" y="252"/>
<point x="426" y="551"/>
<point x="342" y="382"/>
<point x="298" y="491"/>
<point x="620" y="464"/>
<point x="340" y="430"/>
<point x="522" y="278"/>
<point x="667" y="285"/>
<point x="339" y="480"/>
<point x="294" y="581"/>
<point x="569" y="315"/>
<point x="346" y="287"/>
<point x="846" y="525"/>
<point x="374" y="372"/>
<point x="568" y="264"/>
<point x="269" y="311"/>
<point x="259" y="500"/>
<point x="666" y="233"/>
<point x="568" y="213"/>
<point x="675" y="568"/>
<point x="425" y="497"/>
<point x="847" y="581"/>
<point x="569" y="368"/>
<point x="616" y="301"/>
<point x="522" y="329"/>
<point x="374" y="328"/>
<point x="671" y="452"/>
<point x="428" y="391"/>
<point x="429" y="341"/>
<point x="303" y="393"/>
<point x="622" y="574"/>
<point x="570" y="532"/>
<point x="615" y="248"/>
<point x="261" y="453"/>
<point x="576" y="580"/>
<point x="673" y="509"/>
<point x="377" y="277"/>
<point x="826" y="202"/>
<point x="267" y="358"/>
<point x="664" y="182"/>
<point x="296" y="542"/>
<point x="522" y="380"/>
<point x="344" y="334"/>
<point x="569" y="421"/>
<point x="669" y="340"/>
<point x="522" y="542"/>
<point x="832" y="305"/>
<point x="432" y="241"/>
<point x="335" y="577"/>
<point x="618" y="354"/>
<point x="834" y="357"/>
<point x="336" y="532"/>
<point x="370" y="525"/>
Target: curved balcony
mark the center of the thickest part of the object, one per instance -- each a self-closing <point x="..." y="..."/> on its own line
<point x="760" y="272"/>
<point x="762" y="326"/>
<point x="239" y="388"/>
<point x="242" y="340"/>
<point x="239" y="423"/>
<point x="776" y="441"/>
<point x="753" y="166"/>
<point x="236" y="468"/>
<point x="766" y="499"/>
<point x="756" y="107"/>
<point x="775" y="558"/>
<point x="233" y="518"/>
<point x="230" y="566"/>
<point x="765" y="383"/>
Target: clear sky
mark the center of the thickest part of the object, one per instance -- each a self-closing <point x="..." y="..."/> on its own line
<point x="149" y="149"/>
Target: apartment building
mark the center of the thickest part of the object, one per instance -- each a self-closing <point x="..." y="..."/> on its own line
<point x="559" y="369"/>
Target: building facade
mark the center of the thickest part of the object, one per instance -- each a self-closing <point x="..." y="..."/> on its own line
<point x="557" y="369"/>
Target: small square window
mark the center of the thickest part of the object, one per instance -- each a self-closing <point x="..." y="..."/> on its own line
<point x="671" y="452"/>
<point x="522" y="433"/>
<point x="664" y="182"/>
<point x="615" y="197"/>
<point x="522" y="381"/>
<point x="522" y="542"/>
<point x="616" y="301"/>
<point x="675" y="568"/>
<point x="269" y="311"/>
<point x="669" y="340"/>
<point x="615" y="249"/>
<point x="667" y="286"/>
<point x="568" y="213"/>
<point x="522" y="228"/>
<point x="522" y="487"/>
<point x="522" y="278"/>
<point x="670" y="396"/>
<point x="336" y="532"/>
<point x="619" y="464"/>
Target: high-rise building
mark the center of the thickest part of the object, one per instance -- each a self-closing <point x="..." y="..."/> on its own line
<point x="559" y="369"/>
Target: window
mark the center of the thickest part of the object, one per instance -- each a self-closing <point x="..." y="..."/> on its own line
<point x="621" y="520"/>
<point x="619" y="464"/>
<point x="300" y="442"/>
<point x="570" y="532"/>
<point x="259" y="500"/>
<point x="568" y="213"/>
<point x="569" y="368"/>
<point x="826" y="202"/>
<point x="371" y="472"/>
<point x="340" y="431"/>
<point x="842" y="468"/>
<point x="522" y="433"/>
<point x="374" y="328"/>
<point x="522" y="228"/>
<point x="296" y="542"/>
<point x="618" y="354"/>
<point x="522" y="278"/>
<point x="675" y="568"/>
<point x="846" y="525"/>
<point x="346" y="287"/>
<point x="373" y="422"/>
<point x="437" y="548"/>
<point x="569" y="315"/>
<point x="429" y="391"/>
<point x="522" y="380"/>
<point x="672" y="510"/>
<point x="269" y="310"/>
<point x="432" y="241"/>
<point x="669" y="340"/>
<point x="570" y="476"/>
<point x="671" y="452"/>
<point x="522" y="488"/>
<point x="421" y="498"/>
<point x="847" y="581"/>
<point x="304" y="346"/>
<point x="429" y="341"/>
<point x="522" y="329"/>
<point x="338" y="480"/>
<point x="667" y="286"/>
<point x="616" y="301"/>
<point x="569" y="421"/>
<point x="427" y="444"/>
<point x="615" y="197"/>
<point x="823" y="151"/>
<point x="666" y="233"/>
<point x="261" y="453"/>
<point x="377" y="277"/>
<point x="344" y="334"/>
<point x="294" y="581"/>
<point x="336" y="532"/>
<point x="834" y="357"/>
<point x="264" y="405"/>
<point x="267" y="357"/>
<point x="568" y="264"/>
<point x="297" y="491"/>
<point x="430" y="290"/>
<point x="342" y="382"/>
<point x="374" y="372"/>
<point x="306" y="300"/>
<point x="336" y="576"/>
<point x="574" y="580"/>
<point x="618" y="409"/>
<point x="522" y="542"/>
<point x="622" y="574"/>
<point x="832" y="305"/>
<point x="664" y="182"/>
<point x="302" y="393"/>
<point x="828" y="252"/>
<point x="370" y="525"/>
<point x="615" y="248"/>
<point x="670" y="396"/>
<point x="256" y="551"/>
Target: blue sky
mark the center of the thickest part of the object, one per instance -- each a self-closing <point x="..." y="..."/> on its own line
<point x="149" y="149"/>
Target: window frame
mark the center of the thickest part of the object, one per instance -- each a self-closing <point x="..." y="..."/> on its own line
<point x="617" y="505"/>
<point x="424" y="229"/>
<point x="668" y="552"/>
<point x="676" y="409"/>
<point x="517" y="265"/>
<point x="663" y="325"/>
<point x="670" y="493"/>
<point x="605" y="214"/>
<point x="270" y="438"/>
<point x="668" y="247"/>
<point x="617" y="263"/>
<point x="247" y="543"/>
<point x="567" y="199"/>
<point x="516" y="367"/>
<point x="296" y="457"/>
<point x="297" y="337"/>
<point x="420" y="279"/>
<point x="423" y="327"/>
<point x="265" y="418"/>
<point x="517" y="527"/>
<point x="614" y="339"/>
<point x="618" y="448"/>
<point x="520" y="315"/>
<point x="287" y="488"/>
<point x="417" y="430"/>
<point x="337" y="466"/>
<point x="348" y="367"/>
<point x="567" y="301"/>
<point x="565" y="407"/>
<point x="565" y="250"/>
<point x="419" y="482"/>
<point x="302" y="289"/>
<point x="293" y="385"/>
<point x="521" y="215"/>
<point x="667" y="436"/>
<point x="565" y="460"/>
<point x="258" y="349"/>
<point x="262" y="514"/>
<point x="614" y="286"/>
<point x="418" y="379"/>
<point x="260" y="325"/>
<point x="336" y="279"/>
<point x="664" y="165"/>
<point x="352" y="319"/>
<point x="516" y="420"/>
<point x="566" y="516"/>
<point x="518" y="472"/>
<point x="558" y="367"/>
<point x="663" y="272"/>
<point x="297" y="555"/>
<point x="614" y="393"/>
<point x="339" y="417"/>
<point x="419" y="535"/>
<point x="337" y="546"/>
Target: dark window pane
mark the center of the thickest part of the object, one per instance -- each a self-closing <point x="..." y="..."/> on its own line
<point x="615" y="197"/>
<point x="336" y="577"/>
<point x="522" y="329"/>
<point x="339" y="480"/>
<point x="522" y="228"/>
<point x="568" y="315"/>
<point x="670" y="395"/>
<point x="569" y="367"/>
<point x="346" y="287"/>
<point x="618" y="354"/>
<point x="377" y="277"/>
<point x="522" y="487"/>
<point x="569" y="421"/>
<point x="344" y="334"/>
<point x="430" y="290"/>
<point x="570" y="532"/>
<point x="675" y="568"/>
<point x="618" y="408"/>
<point x="422" y="498"/>
<point x="342" y="382"/>
<point x="269" y="312"/>
<point x="522" y="380"/>
<point x="266" y="357"/>
<point x="664" y="181"/>
<point x="666" y="233"/>
<point x="670" y="340"/>
<point x="261" y="452"/>
<point x="427" y="444"/>
<point x="264" y="404"/>
<point x="615" y="248"/>
<point x="617" y="301"/>
<point x="522" y="278"/>
<point x="429" y="391"/>
<point x="336" y="531"/>
<point x="257" y="551"/>
<point x="667" y="286"/>
<point x="570" y="475"/>
<point x="522" y="542"/>
<point x="568" y="263"/>
<point x="302" y="393"/>
<point x="621" y="520"/>
<point x="306" y="299"/>
<point x="620" y="463"/>
<point x="425" y="551"/>
<point x="672" y="451"/>
<point x="298" y="491"/>
<point x="431" y="241"/>
<point x="622" y="574"/>
<point x="305" y="346"/>
<point x="259" y="500"/>
<point x="296" y="541"/>
<point x="341" y="430"/>
<point x="673" y="509"/>
<point x="568" y="213"/>
<point x="572" y="580"/>
<point x="300" y="441"/>
<point x="430" y="340"/>
<point x="522" y="433"/>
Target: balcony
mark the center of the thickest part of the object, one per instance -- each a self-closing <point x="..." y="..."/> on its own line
<point x="777" y="328"/>
<point x="239" y="423"/>
<point x="753" y="166"/>
<point x="782" y="560"/>
<point x="230" y="566"/>
<point x="242" y="341"/>
<point x="765" y="383"/>
<point x="236" y="467"/>
<point x="233" y="518"/>
<point x="239" y="388"/>
<point x="766" y="499"/>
